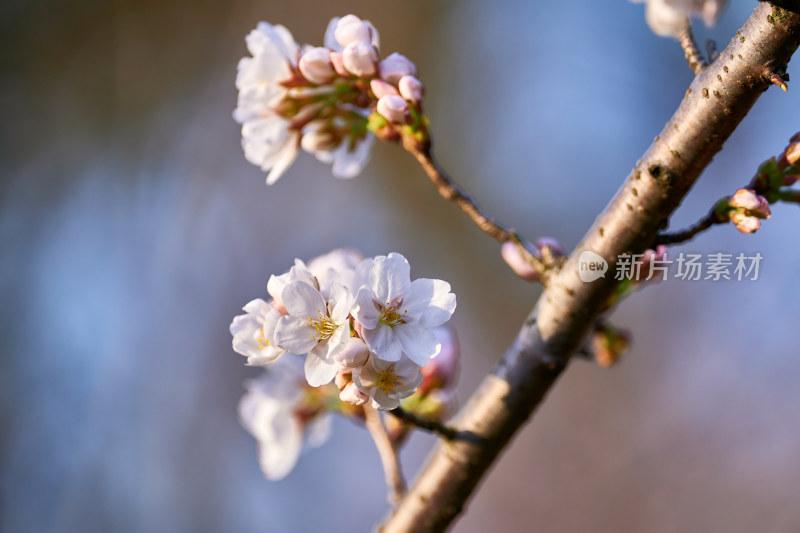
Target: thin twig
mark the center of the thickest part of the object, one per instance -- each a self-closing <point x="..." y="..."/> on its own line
<point x="432" y="426"/>
<point x="711" y="50"/>
<point x="451" y="191"/>
<point x="389" y="458"/>
<point x="703" y="224"/>
<point x="690" y="49"/>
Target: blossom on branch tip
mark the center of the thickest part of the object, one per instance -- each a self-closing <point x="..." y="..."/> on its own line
<point x="273" y="411"/>
<point x="266" y="138"/>
<point x="315" y="326"/>
<point x="253" y="333"/>
<point x="386" y="383"/>
<point x="396" y="314"/>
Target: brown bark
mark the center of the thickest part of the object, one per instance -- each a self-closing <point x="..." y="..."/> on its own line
<point x="714" y="105"/>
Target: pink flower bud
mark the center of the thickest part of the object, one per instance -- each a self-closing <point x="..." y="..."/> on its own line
<point x="315" y="65"/>
<point x="442" y="370"/>
<point x="395" y="66"/>
<point x="609" y="344"/>
<point x="394" y="108"/>
<point x="748" y="200"/>
<point x="411" y="88"/>
<point x="745" y="223"/>
<point x="352" y="394"/>
<point x="381" y="88"/>
<point x="359" y="59"/>
<point x="343" y="377"/>
<point x="338" y="64"/>
<point x="793" y="153"/>
<point x="351" y="29"/>
<point x="549" y="242"/>
<point x="514" y="259"/>
<point x="355" y="354"/>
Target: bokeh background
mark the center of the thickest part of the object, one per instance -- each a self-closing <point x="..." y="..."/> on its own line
<point x="132" y="230"/>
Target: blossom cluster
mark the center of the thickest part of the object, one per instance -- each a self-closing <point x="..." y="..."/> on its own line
<point x="362" y="323"/>
<point x="325" y="100"/>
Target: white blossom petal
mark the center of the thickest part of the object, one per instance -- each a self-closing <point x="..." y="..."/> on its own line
<point x="364" y="310"/>
<point x="303" y="301"/>
<point x="348" y="164"/>
<point x="295" y="335"/>
<point x="429" y="302"/>
<point x="319" y="371"/>
<point x="418" y="343"/>
<point x="390" y="276"/>
<point x="383" y="342"/>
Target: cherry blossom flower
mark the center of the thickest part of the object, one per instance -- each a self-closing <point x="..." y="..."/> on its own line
<point x="316" y="327"/>
<point x="253" y="333"/>
<point x="396" y="314"/>
<point x="272" y="410"/>
<point x="386" y="383"/>
<point x="266" y="138"/>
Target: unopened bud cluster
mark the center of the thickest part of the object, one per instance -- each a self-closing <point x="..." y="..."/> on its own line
<point x="772" y="183"/>
<point x="319" y="99"/>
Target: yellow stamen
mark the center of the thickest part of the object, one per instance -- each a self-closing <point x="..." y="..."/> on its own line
<point x="388" y="380"/>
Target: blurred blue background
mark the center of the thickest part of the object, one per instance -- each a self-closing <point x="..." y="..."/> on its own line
<point x="132" y="230"/>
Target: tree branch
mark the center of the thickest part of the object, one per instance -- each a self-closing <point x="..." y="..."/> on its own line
<point x="716" y="102"/>
<point x="389" y="459"/>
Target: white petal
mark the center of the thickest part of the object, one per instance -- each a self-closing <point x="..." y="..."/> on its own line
<point x="383" y="342"/>
<point x="342" y="301"/>
<point x="283" y="159"/>
<point x="429" y="302"/>
<point x="330" y="35"/>
<point x="302" y="300"/>
<point x="390" y="277"/>
<point x="349" y="164"/>
<point x="277" y="458"/>
<point x="419" y="343"/>
<point x="295" y="335"/>
<point x="364" y="310"/>
<point x="318" y="371"/>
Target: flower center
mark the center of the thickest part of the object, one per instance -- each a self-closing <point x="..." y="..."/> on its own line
<point x="388" y="380"/>
<point x="390" y="313"/>
<point x="262" y="339"/>
<point x="324" y="325"/>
